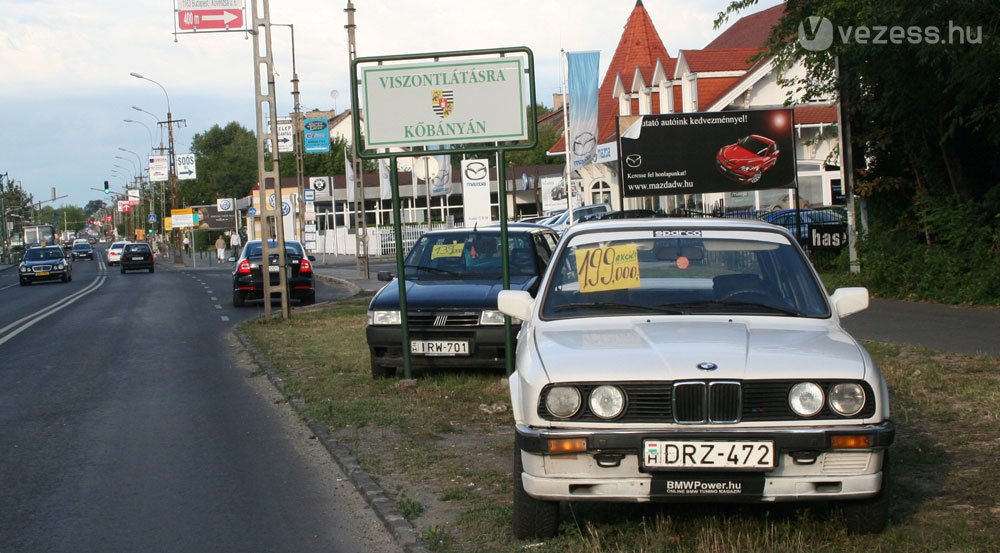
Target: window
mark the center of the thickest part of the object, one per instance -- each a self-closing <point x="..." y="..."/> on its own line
<point x="600" y="193"/>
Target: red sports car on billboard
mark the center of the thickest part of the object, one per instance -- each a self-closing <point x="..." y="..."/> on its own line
<point x="747" y="159"/>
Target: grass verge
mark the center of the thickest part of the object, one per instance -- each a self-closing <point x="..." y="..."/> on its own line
<point x="441" y="449"/>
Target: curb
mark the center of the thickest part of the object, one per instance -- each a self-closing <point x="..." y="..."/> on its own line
<point x="402" y="530"/>
<point x="355" y="289"/>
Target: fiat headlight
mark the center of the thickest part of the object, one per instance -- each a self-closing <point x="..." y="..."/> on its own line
<point x="806" y="399"/>
<point x="490" y="317"/>
<point x="847" y="398"/>
<point x="607" y="402"/>
<point x="563" y="401"/>
<point x="383" y="318"/>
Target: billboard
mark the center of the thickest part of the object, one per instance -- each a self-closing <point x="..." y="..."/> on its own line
<point x="697" y="153"/>
<point x="209" y="216"/>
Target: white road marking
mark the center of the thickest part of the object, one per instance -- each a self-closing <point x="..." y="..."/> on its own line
<point x="38" y="316"/>
<point x="224" y="318"/>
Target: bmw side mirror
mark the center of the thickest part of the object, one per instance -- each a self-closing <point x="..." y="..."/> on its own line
<point x="311" y="257"/>
<point x="384" y="276"/>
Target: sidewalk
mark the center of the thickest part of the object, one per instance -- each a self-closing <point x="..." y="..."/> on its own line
<point x="339" y="269"/>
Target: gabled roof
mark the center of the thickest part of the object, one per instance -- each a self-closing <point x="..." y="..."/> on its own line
<point x="638" y="49"/>
<point x="815" y="114"/>
<point x="722" y="59"/>
<point x="750" y="31"/>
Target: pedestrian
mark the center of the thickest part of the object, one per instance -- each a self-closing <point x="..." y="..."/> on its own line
<point x="235" y="243"/>
<point x="187" y="245"/>
<point x="220" y="248"/>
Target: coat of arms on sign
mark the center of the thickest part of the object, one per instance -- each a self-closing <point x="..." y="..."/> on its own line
<point x="443" y="102"/>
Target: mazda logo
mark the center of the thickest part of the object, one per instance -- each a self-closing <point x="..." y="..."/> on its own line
<point x="633" y="160"/>
<point x="584" y="144"/>
<point x="476" y="171"/>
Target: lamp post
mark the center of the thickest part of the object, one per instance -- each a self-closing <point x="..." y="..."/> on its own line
<point x="163" y="187"/>
<point x="148" y="131"/>
<point x="297" y="125"/>
<point x="171" y="174"/>
<point x="135" y="169"/>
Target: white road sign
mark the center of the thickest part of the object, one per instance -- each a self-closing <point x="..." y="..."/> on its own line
<point x="184" y="166"/>
<point x="456" y="102"/>
<point x="286" y="135"/>
<point x="158" y="168"/>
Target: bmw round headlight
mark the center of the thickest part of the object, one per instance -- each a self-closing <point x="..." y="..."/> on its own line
<point x="806" y="399"/>
<point x="847" y="398"/>
<point x="383" y="318"/>
<point x="607" y="402"/>
<point x="563" y="401"/>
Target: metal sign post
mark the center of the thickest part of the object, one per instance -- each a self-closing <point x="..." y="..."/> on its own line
<point x="483" y="89"/>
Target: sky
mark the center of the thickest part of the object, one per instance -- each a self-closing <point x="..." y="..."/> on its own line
<point x="66" y="87"/>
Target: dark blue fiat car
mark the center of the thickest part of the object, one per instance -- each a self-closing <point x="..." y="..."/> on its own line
<point x="452" y="281"/>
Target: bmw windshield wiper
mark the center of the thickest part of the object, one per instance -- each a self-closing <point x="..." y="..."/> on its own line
<point x="620" y="306"/>
<point x="736" y="304"/>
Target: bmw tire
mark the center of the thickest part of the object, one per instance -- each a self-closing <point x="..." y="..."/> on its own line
<point x="533" y="518"/>
<point x="869" y="516"/>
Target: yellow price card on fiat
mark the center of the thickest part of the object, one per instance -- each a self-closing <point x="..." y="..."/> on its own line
<point x="608" y="268"/>
<point x="448" y="250"/>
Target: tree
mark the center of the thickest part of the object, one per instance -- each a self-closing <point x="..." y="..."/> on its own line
<point x="921" y="88"/>
<point x="227" y="165"/>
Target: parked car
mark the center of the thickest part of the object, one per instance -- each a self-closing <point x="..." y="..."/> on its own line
<point x="82" y="250"/>
<point x="45" y="263"/>
<point x="115" y="252"/>
<point x="627" y="214"/>
<point x="746" y="160"/>
<point x="452" y="281"/>
<point x="680" y="360"/>
<point x="800" y="222"/>
<point x="137" y="255"/>
<point x="561" y="222"/>
<point x="248" y="280"/>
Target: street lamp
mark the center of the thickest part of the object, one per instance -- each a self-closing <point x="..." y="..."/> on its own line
<point x="136" y="171"/>
<point x="148" y="131"/>
<point x="172" y="176"/>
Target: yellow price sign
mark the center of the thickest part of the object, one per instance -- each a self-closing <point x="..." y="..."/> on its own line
<point x="608" y="268"/>
<point x="448" y="250"/>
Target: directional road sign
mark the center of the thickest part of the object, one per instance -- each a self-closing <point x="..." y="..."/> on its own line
<point x="185" y="166"/>
<point x="196" y="15"/>
<point x="286" y="135"/>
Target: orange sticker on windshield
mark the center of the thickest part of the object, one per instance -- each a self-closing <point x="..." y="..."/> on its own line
<point x="608" y="268"/>
<point x="683" y="262"/>
<point x="448" y="250"/>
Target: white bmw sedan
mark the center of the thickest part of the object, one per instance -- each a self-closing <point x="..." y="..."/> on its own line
<point x="692" y="360"/>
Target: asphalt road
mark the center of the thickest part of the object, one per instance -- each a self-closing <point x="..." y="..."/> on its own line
<point x="130" y="421"/>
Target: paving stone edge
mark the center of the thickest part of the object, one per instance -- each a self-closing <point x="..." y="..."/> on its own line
<point x="385" y="509"/>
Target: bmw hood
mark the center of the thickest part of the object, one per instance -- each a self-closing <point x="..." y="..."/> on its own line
<point x="448" y="294"/>
<point x="723" y="348"/>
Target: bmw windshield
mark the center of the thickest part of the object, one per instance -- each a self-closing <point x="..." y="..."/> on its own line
<point x="709" y="272"/>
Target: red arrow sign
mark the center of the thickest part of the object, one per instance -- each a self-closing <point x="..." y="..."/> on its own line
<point x="200" y="20"/>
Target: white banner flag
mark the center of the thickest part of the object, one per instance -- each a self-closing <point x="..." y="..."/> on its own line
<point x="349" y="171"/>
<point x="583" y="76"/>
<point x="476" y="191"/>
<point x="384" y="180"/>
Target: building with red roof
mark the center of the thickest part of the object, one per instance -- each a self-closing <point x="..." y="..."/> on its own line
<point x="727" y="74"/>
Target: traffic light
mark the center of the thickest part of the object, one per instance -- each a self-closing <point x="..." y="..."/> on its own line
<point x="107" y="190"/>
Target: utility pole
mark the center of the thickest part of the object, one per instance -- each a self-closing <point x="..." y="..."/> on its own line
<point x="297" y="125"/>
<point x="361" y="230"/>
<point x="262" y="25"/>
